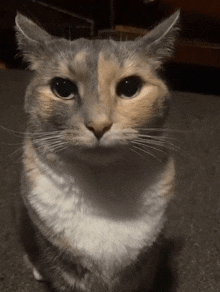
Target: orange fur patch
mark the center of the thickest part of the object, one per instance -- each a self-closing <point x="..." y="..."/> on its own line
<point x="48" y="101"/>
<point x="168" y="180"/>
<point x="30" y="166"/>
<point x="132" y="112"/>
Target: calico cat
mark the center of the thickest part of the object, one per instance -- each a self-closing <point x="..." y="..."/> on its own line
<point x="97" y="175"/>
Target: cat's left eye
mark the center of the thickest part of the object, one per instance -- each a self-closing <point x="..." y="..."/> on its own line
<point x="64" y="88"/>
<point x="129" y="87"/>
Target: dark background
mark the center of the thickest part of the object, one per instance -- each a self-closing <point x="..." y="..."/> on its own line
<point x="196" y="64"/>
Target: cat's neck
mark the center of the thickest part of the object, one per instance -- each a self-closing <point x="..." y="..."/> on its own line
<point x="117" y="173"/>
<point x="116" y="189"/>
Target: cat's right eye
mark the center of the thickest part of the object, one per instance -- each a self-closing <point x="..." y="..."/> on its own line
<point x="64" y="88"/>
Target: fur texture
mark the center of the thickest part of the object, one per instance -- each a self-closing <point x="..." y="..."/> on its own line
<point x="97" y="175"/>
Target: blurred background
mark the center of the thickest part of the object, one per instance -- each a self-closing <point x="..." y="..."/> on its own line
<point x="196" y="63"/>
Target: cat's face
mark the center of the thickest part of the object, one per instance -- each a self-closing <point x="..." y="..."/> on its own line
<point x="93" y="98"/>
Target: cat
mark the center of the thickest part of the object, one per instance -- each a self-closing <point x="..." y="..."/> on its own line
<point x="97" y="175"/>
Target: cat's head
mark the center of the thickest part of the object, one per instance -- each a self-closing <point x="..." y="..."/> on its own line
<point x="92" y="97"/>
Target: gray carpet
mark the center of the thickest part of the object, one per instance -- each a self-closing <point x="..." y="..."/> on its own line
<point x="190" y="259"/>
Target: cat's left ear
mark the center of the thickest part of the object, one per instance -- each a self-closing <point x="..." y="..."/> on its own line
<point x="159" y="42"/>
<point x="29" y="30"/>
<point x="32" y="40"/>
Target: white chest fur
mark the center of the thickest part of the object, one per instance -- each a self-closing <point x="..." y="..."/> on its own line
<point x="106" y="240"/>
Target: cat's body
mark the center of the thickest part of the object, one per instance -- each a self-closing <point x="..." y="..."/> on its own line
<point x="93" y="201"/>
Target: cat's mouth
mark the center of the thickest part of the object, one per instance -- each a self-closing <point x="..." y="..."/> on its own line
<point x="100" y="149"/>
<point x="101" y="154"/>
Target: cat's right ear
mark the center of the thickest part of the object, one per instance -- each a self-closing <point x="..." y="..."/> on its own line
<point x="31" y="40"/>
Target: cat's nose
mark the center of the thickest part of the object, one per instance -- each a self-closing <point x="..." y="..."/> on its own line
<point x="99" y="129"/>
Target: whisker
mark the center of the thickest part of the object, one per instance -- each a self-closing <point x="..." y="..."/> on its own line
<point x="11" y="144"/>
<point x="165" y="130"/>
<point x="18" y="155"/>
<point x="49" y="138"/>
<point x="42" y="134"/>
<point x="57" y="144"/>
<point x="145" y="151"/>
<point x="58" y="149"/>
<point x="170" y="146"/>
<point x="17" y="150"/>
<point x="157" y="137"/>
<point x="166" y="144"/>
<point x="148" y="146"/>
<point x="52" y="144"/>
<point x="22" y="134"/>
<point x="13" y="131"/>
<point x="137" y="153"/>
<point x="152" y="140"/>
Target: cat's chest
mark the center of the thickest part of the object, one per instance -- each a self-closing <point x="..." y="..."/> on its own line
<point x="104" y="239"/>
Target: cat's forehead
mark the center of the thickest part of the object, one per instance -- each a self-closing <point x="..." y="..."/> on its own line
<point x="100" y="57"/>
<point x="95" y="47"/>
<point x="88" y="52"/>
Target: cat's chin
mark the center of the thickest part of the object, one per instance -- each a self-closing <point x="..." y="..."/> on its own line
<point x="100" y="155"/>
<point x="97" y="155"/>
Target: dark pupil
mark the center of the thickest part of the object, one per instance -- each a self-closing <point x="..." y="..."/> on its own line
<point x="64" y="87"/>
<point x="129" y="86"/>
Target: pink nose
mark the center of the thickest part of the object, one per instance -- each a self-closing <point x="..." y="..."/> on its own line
<point x="99" y="129"/>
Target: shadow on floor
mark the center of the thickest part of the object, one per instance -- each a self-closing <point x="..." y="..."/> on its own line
<point x="166" y="277"/>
